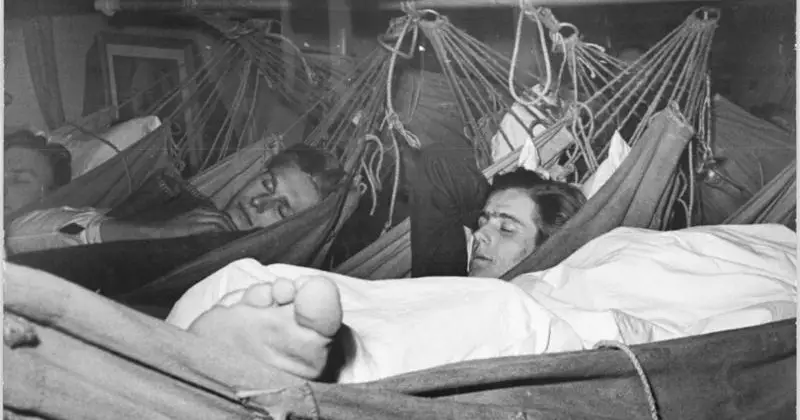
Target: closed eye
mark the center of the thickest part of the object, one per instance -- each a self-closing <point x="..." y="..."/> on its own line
<point x="269" y="183"/>
<point x="285" y="211"/>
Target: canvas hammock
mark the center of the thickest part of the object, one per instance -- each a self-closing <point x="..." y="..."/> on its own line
<point x="303" y="239"/>
<point x="107" y="185"/>
<point x="71" y="354"/>
<point x="740" y="170"/>
<point x="244" y="73"/>
<point x="605" y="94"/>
<point x="161" y="372"/>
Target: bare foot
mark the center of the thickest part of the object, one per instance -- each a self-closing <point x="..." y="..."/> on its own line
<point x="290" y="324"/>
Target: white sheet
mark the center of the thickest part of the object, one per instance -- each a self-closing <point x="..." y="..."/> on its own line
<point x="630" y="285"/>
<point x="618" y="150"/>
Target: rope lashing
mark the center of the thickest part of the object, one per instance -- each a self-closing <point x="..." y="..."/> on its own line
<point x="651" y="399"/>
<point x="515" y="56"/>
<point x="267" y="30"/>
<point x="393" y="122"/>
<point x="371" y="170"/>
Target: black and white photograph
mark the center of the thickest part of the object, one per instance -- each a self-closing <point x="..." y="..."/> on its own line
<point x="400" y="209"/>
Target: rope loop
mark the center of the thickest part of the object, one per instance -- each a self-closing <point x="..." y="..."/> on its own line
<point x="542" y="14"/>
<point x="394" y="123"/>
<point x="651" y="399"/>
<point x="397" y="31"/>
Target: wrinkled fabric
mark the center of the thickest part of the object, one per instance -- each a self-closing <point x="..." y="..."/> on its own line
<point x="634" y="196"/>
<point x="751" y="153"/>
<point x="112" y="182"/>
<point x="132" y="367"/>
<point x="632" y="286"/>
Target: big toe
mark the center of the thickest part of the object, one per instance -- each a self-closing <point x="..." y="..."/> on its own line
<point x="318" y="305"/>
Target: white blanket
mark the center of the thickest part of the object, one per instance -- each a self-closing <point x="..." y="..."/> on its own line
<point x="630" y="285"/>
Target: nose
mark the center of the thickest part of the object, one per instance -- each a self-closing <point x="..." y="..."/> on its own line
<point x="262" y="202"/>
<point x="483" y="236"/>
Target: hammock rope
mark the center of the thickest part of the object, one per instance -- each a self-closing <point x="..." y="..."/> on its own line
<point x="250" y="57"/>
<point x="676" y="69"/>
<point x="606" y="93"/>
<point x="648" y="390"/>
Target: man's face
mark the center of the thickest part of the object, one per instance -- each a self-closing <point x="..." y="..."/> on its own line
<point x="506" y="234"/>
<point x="28" y="176"/>
<point x="272" y="196"/>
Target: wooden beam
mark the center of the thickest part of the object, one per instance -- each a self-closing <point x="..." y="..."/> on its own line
<point x="111" y="6"/>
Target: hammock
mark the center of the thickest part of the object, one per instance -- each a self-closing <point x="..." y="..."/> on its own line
<point x="173" y="265"/>
<point x="658" y="187"/>
<point x="740" y="169"/>
<point x="246" y="70"/>
<point x="205" y="118"/>
<point x="109" y="184"/>
<point x="161" y="372"/>
<point x="65" y="346"/>
<point x="776" y="202"/>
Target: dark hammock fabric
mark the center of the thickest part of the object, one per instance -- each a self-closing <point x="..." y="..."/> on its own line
<point x="109" y="184"/>
<point x="162" y="197"/>
<point x="636" y="195"/>
<point x="751" y="151"/>
<point x="132" y="264"/>
<point x="95" y="359"/>
<point x="428" y="108"/>
<point x="153" y="274"/>
<point x="775" y="203"/>
<point x="298" y="240"/>
<point x="119" y="267"/>
<point x="448" y="193"/>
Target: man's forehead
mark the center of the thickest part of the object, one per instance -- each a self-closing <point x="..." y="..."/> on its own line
<point x="23" y="159"/>
<point x="513" y="204"/>
<point x="298" y="186"/>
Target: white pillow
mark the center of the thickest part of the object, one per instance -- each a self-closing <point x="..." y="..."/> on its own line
<point x="90" y="152"/>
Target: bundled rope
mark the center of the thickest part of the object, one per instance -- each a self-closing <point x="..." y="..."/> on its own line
<point x="607" y="94"/>
<point x="215" y="111"/>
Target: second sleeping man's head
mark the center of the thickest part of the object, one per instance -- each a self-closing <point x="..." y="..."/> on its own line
<point x="523" y="210"/>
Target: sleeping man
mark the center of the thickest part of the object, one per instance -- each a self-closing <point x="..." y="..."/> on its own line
<point x="32" y="169"/>
<point x="630" y="285"/>
<point x="294" y="180"/>
<point x="520" y="211"/>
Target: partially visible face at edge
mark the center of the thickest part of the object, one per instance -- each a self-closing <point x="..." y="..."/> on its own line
<point x="273" y="196"/>
<point x="506" y="233"/>
<point x="28" y="177"/>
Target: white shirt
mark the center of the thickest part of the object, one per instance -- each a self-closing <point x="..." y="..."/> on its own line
<point x="45" y="229"/>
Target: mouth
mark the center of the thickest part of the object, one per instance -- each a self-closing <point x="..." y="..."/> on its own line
<point x="481" y="259"/>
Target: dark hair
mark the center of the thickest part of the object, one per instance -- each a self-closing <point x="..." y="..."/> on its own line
<point x="59" y="157"/>
<point x="323" y="167"/>
<point x="556" y="202"/>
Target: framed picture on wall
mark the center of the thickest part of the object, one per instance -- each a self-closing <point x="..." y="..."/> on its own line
<point x="146" y="75"/>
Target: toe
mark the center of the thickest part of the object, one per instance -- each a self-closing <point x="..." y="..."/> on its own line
<point x="283" y="291"/>
<point x="318" y="306"/>
<point x="259" y="295"/>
